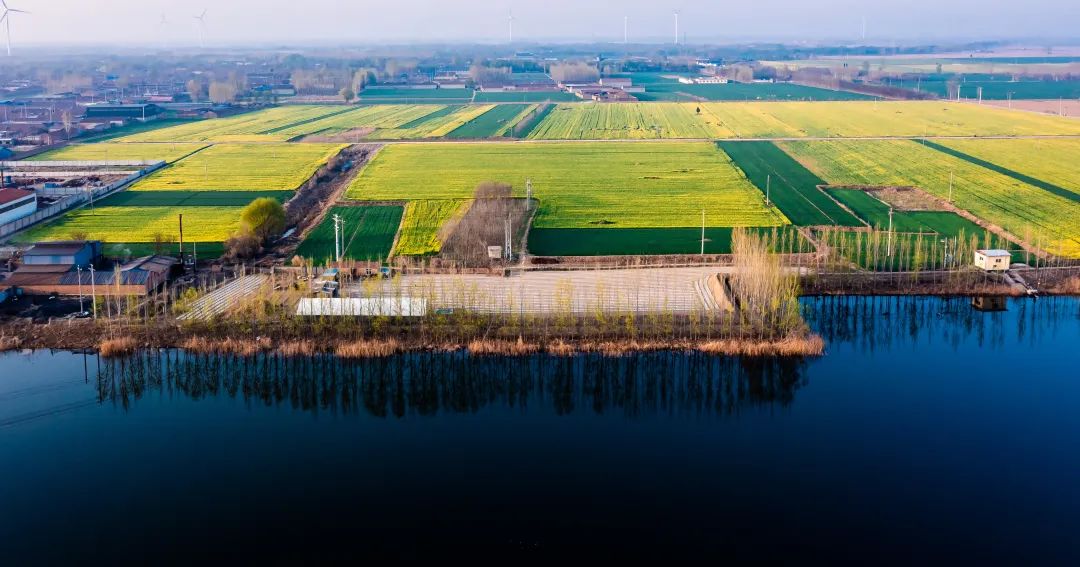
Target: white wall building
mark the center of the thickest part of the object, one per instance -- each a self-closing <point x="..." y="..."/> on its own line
<point x="993" y="260"/>
<point x="16" y="204"/>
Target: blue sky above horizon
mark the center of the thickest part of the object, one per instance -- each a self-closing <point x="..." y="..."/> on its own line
<point x="401" y="21"/>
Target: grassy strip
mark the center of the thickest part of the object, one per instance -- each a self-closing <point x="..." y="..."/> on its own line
<point x="1056" y="190"/>
<point x="791" y="187"/>
<point x="368" y="233"/>
<point x="527" y="124"/>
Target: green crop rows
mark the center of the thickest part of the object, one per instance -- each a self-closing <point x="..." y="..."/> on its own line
<point x="789" y="185"/>
<point x="367" y="233"/>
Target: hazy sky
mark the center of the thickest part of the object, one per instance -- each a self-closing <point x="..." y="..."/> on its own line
<point x="368" y="21"/>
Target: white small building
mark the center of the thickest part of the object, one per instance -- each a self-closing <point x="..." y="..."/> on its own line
<point x="16" y="204"/>
<point x="993" y="260"/>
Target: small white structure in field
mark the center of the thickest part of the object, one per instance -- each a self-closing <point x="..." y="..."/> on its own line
<point x="993" y="260"/>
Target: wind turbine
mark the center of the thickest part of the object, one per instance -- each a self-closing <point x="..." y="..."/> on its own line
<point x="625" y="30"/>
<point x="511" y="20"/>
<point x="201" y="18"/>
<point x="676" y="27"/>
<point x="6" y="18"/>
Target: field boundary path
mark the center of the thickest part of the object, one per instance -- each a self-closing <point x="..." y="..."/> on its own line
<point x="219" y="300"/>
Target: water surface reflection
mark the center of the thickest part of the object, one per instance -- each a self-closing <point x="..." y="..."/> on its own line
<point x="432" y="383"/>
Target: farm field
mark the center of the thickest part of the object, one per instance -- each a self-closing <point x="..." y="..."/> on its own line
<point x="1053" y="161"/>
<point x="1027" y="211"/>
<point x="106" y="151"/>
<point x="994" y="87"/>
<point x="791" y="187"/>
<point x="251" y="126"/>
<point x="491" y="123"/>
<point x="869" y="119"/>
<point x="634" y="241"/>
<point x="876" y="214"/>
<point x="525" y="97"/>
<point x="579" y="185"/>
<point x="723" y="120"/>
<point x="134" y="219"/>
<point x="367" y="233"/>
<point x="415" y="95"/>
<point x="623" y="121"/>
<point x="371" y="116"/>
<point x="663" y="88"/>
<point x="131" y="129"/>
<point x="530" y="121"/>
<point x="242" y="167"/>
<point x="435" y="125"/>
<point x="127" y="225"/>
<point x="422" y="223"/>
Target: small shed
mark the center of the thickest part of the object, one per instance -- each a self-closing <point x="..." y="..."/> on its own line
<point x="993" y="260"/>
<point x="62" y="253"/>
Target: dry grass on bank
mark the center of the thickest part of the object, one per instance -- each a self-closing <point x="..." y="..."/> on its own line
<point x="368" y="349"/>
<point x="1067" y="286"/>
<point x="238" y="347"/>
<point x="122" y="346"/>
<point x="9" y="343"/>
<point x="502" y="348"/>
<point x="294" y="349"/>
<point x="790" y="346"/>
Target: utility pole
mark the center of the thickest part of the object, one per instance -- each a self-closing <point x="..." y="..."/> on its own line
<point x="93" y="290"/>
<point x="888" y="249"/>
<point x="181" y="241"/>
<point x="337" y="237"/>
<point x="768" y="189"/>
<point x="79" y="269"/>
<point x="951" y="174"/>
<point x="980" y="94"/>
<point x="528" y="194"/>
<point x="509" y="251"/>
<point x="702" y="232"/>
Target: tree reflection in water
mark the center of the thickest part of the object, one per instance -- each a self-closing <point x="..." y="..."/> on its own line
<point x="878" y="322"/>
<point x="430" y="383"/>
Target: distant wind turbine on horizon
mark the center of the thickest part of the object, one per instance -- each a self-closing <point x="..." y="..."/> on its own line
<point x="511" y="20"/>
<point x="201" y="19"/>
<point x="6" y="18"/>
<point x="676" y="27"/>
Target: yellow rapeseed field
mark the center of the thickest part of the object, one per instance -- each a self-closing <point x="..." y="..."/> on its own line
<point x="106" y="151"/>
<point x="242" y="167"/>
<point x="579" y="185"/>
<point x="251" y="126"/>
<point x="1055" y="161"/>
<point x="420" y="226"/>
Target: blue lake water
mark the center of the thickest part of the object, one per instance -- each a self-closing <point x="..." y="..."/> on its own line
<point x="930" y="431"/>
